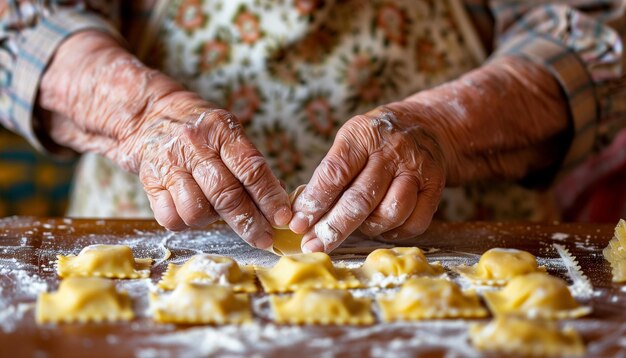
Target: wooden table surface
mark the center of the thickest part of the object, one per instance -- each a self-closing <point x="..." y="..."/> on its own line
<point x="28" y="247"/>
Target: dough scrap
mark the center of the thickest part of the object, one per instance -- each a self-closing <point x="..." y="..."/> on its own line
<point x="194" y="303"/>
<point x="522" y="337"/>
<point x="285" y="241"/>
<point x="536" y="295"/>
<point x="401" y="262"/>
<point x="84" y="299"/>
<point x="314" y="270"/>
<point x="428" y="298"/>
<point x="498" y="266"/>
<point x="322" y="306"/>
<point x="111" y="261"/>
<point x="615" y="252"/>
<point x="209" y="269"/>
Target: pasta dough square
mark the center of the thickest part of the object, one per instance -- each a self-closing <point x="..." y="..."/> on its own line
<point x="497" y="266"/>
<point x="428" y="298"/>
<point x="193" y="303"/>
<point x="399" y="263"/>
<point x="84" y="299"/>
<point x="322" y="306"/>
<point x="521" y="337"/>
<point x="286" y="242"/>
<point x="111" y="261"/>
<point x="537" y="295"/>
<point x="314" y="270"/>
<point x="209" y="269"/>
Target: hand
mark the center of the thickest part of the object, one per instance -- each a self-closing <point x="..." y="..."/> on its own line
<point x="384" y="174"/>
<point x="194" y="161"/>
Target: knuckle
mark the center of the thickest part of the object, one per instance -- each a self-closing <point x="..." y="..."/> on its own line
<point x="359" y="202"/>
<point x="227" y="198"/>
<point x="254" y="171"/>
<point x="334" y="172"/>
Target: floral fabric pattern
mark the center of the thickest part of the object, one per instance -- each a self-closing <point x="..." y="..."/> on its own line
<point x="293" y="72"/>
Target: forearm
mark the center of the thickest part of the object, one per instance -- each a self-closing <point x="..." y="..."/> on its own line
<point x="503" y="120"/>
<point x="104" y="91"/>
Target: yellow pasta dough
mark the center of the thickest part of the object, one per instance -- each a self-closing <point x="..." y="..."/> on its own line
<point x="84" y="299"/>
<point x="112" y="261"/>
<point x="497" y="266"/>
<point x="209" y="269"/>
<point x="426" y="298"/>
<point x="193" y="303"/>
<point x="401" y="262"/>
<point x="285" y="241"/>
<point x="615" y="253"/>
<point x="536" y="295"/>
<point x="522" y="337"/>
<point x="322" y="306"/>
<point x="305" y="270"/>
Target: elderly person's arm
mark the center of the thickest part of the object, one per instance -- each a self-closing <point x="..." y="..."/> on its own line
<point x="523" y="115"/>
<point x="194" y="160"/>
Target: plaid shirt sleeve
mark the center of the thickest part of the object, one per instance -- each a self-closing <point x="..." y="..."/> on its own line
<point x="29" y="35"/>
<point x="581" y="45"/>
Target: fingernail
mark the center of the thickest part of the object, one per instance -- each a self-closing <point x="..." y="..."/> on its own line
<point x="313" y="245"/>
<point x="264" y="241"/>
<point x="299" y="224"/>
<point x="282" y="216"/>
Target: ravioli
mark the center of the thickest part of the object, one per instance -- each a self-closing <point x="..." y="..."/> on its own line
<point x="193" y="303"/>
<point x="112" y="261"/>
<point x="400" y="262"/>
<point x="522" y="337"/>
<point x="427" y="298"/>
<point x="536" y="295"/>
<point x="305" y="270"/>
<point x="615" y="253"/>
<point x="84" y="299"/>
<point x="209" y="269"/>
<point x="497" y="266"/>
<point x="322" y="306"/>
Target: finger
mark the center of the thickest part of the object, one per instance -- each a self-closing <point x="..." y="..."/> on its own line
<point x="232" y="203"/>
<point x="395" y="208"/>
<point x="354" y="206"/>
<point x="251" y="169"/>
<point x="161" y="201"/>
<point x="339" y="167"/>
<point x="191" y="204"/>
<point x="420" y="219"/>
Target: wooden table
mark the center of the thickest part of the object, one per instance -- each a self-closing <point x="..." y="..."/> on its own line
<point x="28" y="247"/>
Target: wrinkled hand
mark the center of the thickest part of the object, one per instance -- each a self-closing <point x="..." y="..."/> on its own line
<point x="384" y="174"/>
<point x="196" y="164"/>
<point x="194" y="161"/>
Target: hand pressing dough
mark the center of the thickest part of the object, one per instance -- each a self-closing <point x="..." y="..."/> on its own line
<point x="209" y="269"/>
<point x="401" y="262"/>
<point x="112" y="261"/>
<point x="427" y="298"/>
<point x="193" y="303"/>
<point x="521" y="337"/>
<point x="322" y="306"/>
<point x="287" y="242"/>
<point x="305" y="270"/>
<point x="84" y="299"/>
<point x="497" y="266"/>
<point x="536" y="295"/>
<point x="615" y="253"/>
